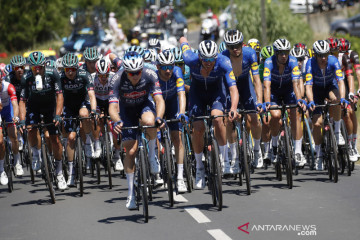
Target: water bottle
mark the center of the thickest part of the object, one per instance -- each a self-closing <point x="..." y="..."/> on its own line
<point x="39" y="83"/>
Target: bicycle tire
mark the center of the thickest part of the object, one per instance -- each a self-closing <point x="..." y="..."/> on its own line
<point x="345" y="148"/>
<point x="312" y="156"/>
<point x="187" y="162"/>
<point x="108" y="156"/>
<point x="168" y="171"/>
<point x="216" y="173"/>
<point x="79" y="163"/>
<point x="143" y="185"/>
<point x="97" y="164"/>
<point x="289" y="162"/>
<point x="245" y="162"/>
<point x="334" y="156"/>
<point x="29" y="157"/>
<point x="8" y="169"/>
<point x="48" y="179"/>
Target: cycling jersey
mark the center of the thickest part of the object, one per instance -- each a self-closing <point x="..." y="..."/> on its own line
<point x="345" y="64"/>
<point x="11" y="78"/>
<point x="174" y="85"/>
<point x="102" y="92"/>
<point x="150" y="65"/>
<point x="7" y="94"/>
<point x="186" y="75"/>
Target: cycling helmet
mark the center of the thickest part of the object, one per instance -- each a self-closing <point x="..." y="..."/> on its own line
<point x="147" y="55"/>
<point x="301" y="45"/>
<point x="154" y="43"/>
<point x="281" y="44"/>
<point x="133" y="62"/>
<point x="91" y="54"/>
<point x="50" y="63"/>
<point x="166" y="58"/>
<point x="298" y="52"/>
<point x="58" y="63"/>
<point x="267" y="52"/>
<point x="102" y="66"/>
<point x="222" y="47"/>
<point x="8" y="69"/>
<point x="137" y="49"/>
<point x="70" y="60"/>
<point x="134" y="42"/>
<point x="17" y="61"/>
<point x="333" y="44"/>
<point x="208" y="49"/>
<point x="36" y="58"/>
<point x="178" y="55"/>
<point x="153" y="55"/>
<point x="321" y="47"/>
<point x="233" y="37"/>
<point x="344" y="45"/>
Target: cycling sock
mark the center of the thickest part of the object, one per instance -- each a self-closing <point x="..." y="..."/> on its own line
<point x="275" y="140"/>
<point x="354" y="141"/>
<point x="337" y="127"/>
<point x="226" y="156"/>
<point x="16" y="158"/>
<point x="130" y="182"/>
<point x="2" y="165"/>
<point x="222" y="152"/>
<point x="318" y="150"/>
<point x="266" y="146"/>
<point x="199" y="163"/>
<point x="58" y="164"/>
<point x="256" y="144"/>
<point x="233" y="151"/>
<point x="350" y="140"/>
<point x="71" y="167"/>
<point x="152" y="144"/>
<point x="180" y="169"/>
<point x="298" y="144"/>
<point x="88" y="138"/>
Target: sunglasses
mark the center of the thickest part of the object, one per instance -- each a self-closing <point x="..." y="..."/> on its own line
<point x="72" y="69"/>
<point x="208" y="59"/>
<point x="106" y="75"/>
<point x="167" y="67"/>
<point x="283" y="52"/>
<point x="236" y="46"/>
<point x="131" y="74"/>
<point x="325" y="55"/>
<point x="36" y="68"/>
<point x="18" y="67"/>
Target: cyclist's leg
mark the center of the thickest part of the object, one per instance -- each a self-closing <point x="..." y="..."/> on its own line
<point x="318" y="137"/>
<point x="86" y="125"/>
<point x="96" y="134"/>
<point x="266" y="136"/>
<point x="3" y="176"/>
<point x="335" y="113"/>
<point x="33" y="117"/>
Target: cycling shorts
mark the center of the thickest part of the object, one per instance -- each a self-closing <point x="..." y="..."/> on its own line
<point x="285" y="93"/>
<point x="321" y="92"/>
<point x="171" y="109"/>
<point x="71" y="112"/>
<point x="102" y="106"/>
<point x="33" y="117"/>
<point x="7" y="113"/>
<point x="247" y="94"/>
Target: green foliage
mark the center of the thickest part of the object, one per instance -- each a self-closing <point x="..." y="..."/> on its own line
<point x="197" y="7"/>
<point x="280" y="22"/>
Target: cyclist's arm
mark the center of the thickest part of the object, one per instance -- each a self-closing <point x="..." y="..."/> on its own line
<point x="59" y="103"/>
<point x="92" y="99"/>
<point x="160" y="105"/>
<point x="267" y="80"/>
<point x="13" y="99"/>
<point x="256" y="78"/>
<point x="295" y="75"/>
<point x="349" y="73"/>
<point x="22" y="108"/>
<point x="354" y="58"/>
<point x="180" y="88"/>
<point x="339" y="76"/>
<point x="114" y="108"/>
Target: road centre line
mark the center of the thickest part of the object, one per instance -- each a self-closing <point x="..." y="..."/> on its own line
<point x="197" y="215"/>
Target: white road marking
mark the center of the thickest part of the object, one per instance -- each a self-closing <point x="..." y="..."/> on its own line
<point x="179" y="198"/>
<point x="197" y="215"/>
<point x="218" y="234"/>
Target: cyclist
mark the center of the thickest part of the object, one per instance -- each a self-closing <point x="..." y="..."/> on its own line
<point x="173" y="90"/>
<point x="300" y="55"/>
<point x="149" y="59"/>
<point x="131" y="92"/>
<point x="255" y="44"/>
<point x="209" y="71"/>
<point x="58" y="65"/>
<point x="222" y="47"/>
<point x="350" y="119"/>
<point x="179" y="62"/>
<point x="91" y="56"/>
<point x="281" y="82"/>
<point x="42" y="94"/>
<point x="102" y="88"/>
<point x="324" y="78"/>
<point x="244" y="61"/>
<point x="79" y="99"/>
<point x="154" y="43"/>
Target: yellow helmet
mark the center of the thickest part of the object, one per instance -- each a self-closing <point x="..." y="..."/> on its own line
<point x="134" y="42"/>
<point x="254" y="44"/>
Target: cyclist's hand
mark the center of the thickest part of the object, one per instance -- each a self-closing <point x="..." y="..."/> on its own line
<point x="57" y="120"/>
<point x="311" y="106"/>
<point x="117" y="126"/>
<point x="266" y="106"/>
<point x="182" y="117"/>
<point x="95" y="114"/>
<point x="302" y="104"/>
<point x="159" y="122"/>
<point x="259" y="107"/>
<point x="21" y="125"/>
<point x="344" y="102"/>
<point x="16" y="119"/>
<point x="351" y="97"/>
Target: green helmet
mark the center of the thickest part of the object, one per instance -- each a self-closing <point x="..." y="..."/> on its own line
<point x="267" y="52"/>
<point x="91" y="54"/>
<point x="17" y="61"/>
<point x="36" y="58"/>
<point x="70" y="60"/>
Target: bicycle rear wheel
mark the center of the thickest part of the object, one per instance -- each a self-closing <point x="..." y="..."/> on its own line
<point x="108" y="156"/>
<point x="215" y="174"/>
<point x="187" y="162"/>
<point x="334" y="155"/>
<point x="309" y="146"/>
<point x="142" y="184"/>
<point x="79" y="163"/>
<point x="345" y="152"/>
<point x="48" y="177"/>
<point x="288" y="157"/>
<point x="97" y="164"/>
<point x="28" y="156"/>
<point x="168" y="171"/>
<point x="7" y="169"/>
<point x="245" y="163"/>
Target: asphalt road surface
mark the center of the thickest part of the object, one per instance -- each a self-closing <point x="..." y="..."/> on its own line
<point x="315" y="206"/>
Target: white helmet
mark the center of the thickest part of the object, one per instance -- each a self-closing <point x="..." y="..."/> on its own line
<point x="166" y="58"/>
<point x="208" y="49"/>
<point x="281" y="44"/>
<point x="133" y="62"/>
<point x="154" y="43"/>
<point x="253" y="40"/>
<point x="233" y="37"/>
<point x="58" y="63"/>
<point x="297" y="52"/>
<point x="102" y="66"/>
<point x="321" y="47"/>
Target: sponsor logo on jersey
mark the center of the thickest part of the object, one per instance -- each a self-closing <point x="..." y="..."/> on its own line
<point x="135" y="95"/>
<point x="266" y="72"/>
<point x="309" y="77"/>
<point x="157" y="84"/>
<point x="339" y="73"/>
<point x="296" y="70"/>
<point x="179" y="82"/>
<point x="254" y="66"/>
<point x="231" y="75"/>
<point x="185" y="48"/>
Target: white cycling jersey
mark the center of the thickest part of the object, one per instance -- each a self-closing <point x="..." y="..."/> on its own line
<point x="102" y="92"/>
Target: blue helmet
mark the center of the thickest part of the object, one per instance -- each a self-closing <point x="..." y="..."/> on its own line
<point x="137" y="49"/>
<point x="178" y="55"/>
<point x="222" y="47"/>
<point x="133" y="62"/>
<point x="8" y="69"/>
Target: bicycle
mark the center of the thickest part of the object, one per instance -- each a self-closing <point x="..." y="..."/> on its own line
<point x="9" y="157"/>
<point x="307" y="143"/>
<point x="285" y="154"/>
<point x="212" y="162"/>
<point x="189" y="160"/>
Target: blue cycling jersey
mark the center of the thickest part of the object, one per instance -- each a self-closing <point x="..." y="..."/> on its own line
<point x="318" y="77"/>
<point x="174" y="85"/>
<point x="222" y="68"/>
<point x="186" y="75"/>
<point x="249" y="62"/>
<point x="271" y="71"/>
<point x="150" y="65"/>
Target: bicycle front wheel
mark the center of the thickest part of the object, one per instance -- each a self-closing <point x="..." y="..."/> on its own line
<point x="7" y="169"/>
<point x="168" y="171"/>
<point x="245" y="162"/>
<point x="79" y="163"/>
<point x="334" y="155"/>
<point x="187" y="162"/>
<point x="288" y="157"/>
<point x="48" y="177"/>
<point x="142" y="184"/>
<point x="108" y="156"/>
<point x="215" y="174"/>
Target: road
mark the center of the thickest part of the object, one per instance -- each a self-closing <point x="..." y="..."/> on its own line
<point x="331" y="210"/>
